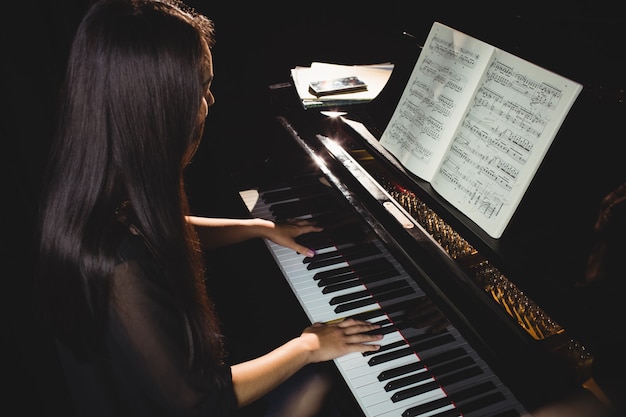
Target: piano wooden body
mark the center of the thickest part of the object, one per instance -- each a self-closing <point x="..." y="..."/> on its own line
<point x="523" y="332"/>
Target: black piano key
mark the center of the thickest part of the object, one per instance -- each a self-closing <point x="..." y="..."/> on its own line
<point x="304" y="214"/>
<point x="386" y="347"/>
<point x="338" y="220"/>
<point x="341" y="255"/>
<point x="307" y="190"/>
<point x="471" y="392"/>
<point x="414" y="391"/>
<point x="342" y="308"/>
<point x="407" y="380"/>
<point x="398" y="343"/>
<point x="384" y="330"/>
<point x="451" y="398"/>
<point x="437" y="340"/>
<point x="430" y="386"/>
<point x="440" y="357"/>
<point x="400" y="325"/>
<point x="356" y="270"/>
<point x="345" y="284"/>
<point x="389" y="356"/>
<point x="304" y="205"/>
<point x="441" y="370"/>
<point x="480" y="403"/>
<point x="400" y="370"/>
<point x="340" y="272"/>
<point x="369" y="279"/>
<point x="354" y="251"/>
<point x="435" y="359"/>
<point x="393" y="309"/>
<point x="360" y="268"/>
<point x="429" y="407"/>
<point x="368" y="315"/>
<point x="412" y="348"/>
<point x="370" y="291"/>
<point x="384" y="322"/>
<point x="340" y="275"/>
<point x="388" y="326"/>
<point x="446" y="368"/>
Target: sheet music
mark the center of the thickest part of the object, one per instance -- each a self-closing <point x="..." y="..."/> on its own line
<point x="448" y="70"/>
<point x="505" y="134"/>
<point x="476" y="122"/>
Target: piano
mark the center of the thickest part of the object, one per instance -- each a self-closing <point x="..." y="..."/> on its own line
<point x="519" y="333"/>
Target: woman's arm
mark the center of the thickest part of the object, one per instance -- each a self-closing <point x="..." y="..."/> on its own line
<point x="317" y="343"/>
<point x="218" y="232"/>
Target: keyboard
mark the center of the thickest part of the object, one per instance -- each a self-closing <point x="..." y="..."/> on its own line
<point x="417" y="372"/>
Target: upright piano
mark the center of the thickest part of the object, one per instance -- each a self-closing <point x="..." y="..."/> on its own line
<point x="518" y="332"/>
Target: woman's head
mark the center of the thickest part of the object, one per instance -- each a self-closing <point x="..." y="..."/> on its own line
<point x="135" y="98"/>
<point x="136" y="88"/>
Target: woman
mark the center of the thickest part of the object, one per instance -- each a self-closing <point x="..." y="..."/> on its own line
<point x="121" y="269"/>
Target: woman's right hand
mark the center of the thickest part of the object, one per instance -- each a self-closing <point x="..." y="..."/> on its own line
<point x="327" y="341"/>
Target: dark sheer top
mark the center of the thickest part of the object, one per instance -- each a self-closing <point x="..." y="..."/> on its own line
<point x="143" y="369"/>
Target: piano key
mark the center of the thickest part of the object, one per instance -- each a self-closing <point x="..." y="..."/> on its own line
<point x="366" y="385"/>
<point x="368" y="292"/>
<point x="359" y="270"/>
<point x="411" y="379"/>
<point x="355" y="281"/>
<point x="297" y="208"/>
<point x="414" y="371"/>
<point x="479" y="405"/>
<point x="354" y="250"/>
<point x="285" y="194"/>
<point x="438" y="358"/>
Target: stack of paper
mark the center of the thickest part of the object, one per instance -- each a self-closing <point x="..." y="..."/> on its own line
<point x="374" y="75"/>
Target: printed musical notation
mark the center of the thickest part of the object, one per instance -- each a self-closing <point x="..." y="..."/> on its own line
<point x="476" y="122"/>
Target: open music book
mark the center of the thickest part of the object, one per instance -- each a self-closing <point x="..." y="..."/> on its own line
<point x="476" y="122"/>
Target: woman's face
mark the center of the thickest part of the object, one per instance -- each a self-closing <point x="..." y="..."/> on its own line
<point x="207" y="78"/>
<point x="207" y="101"/>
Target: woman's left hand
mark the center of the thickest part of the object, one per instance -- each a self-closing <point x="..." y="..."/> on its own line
<point x="284" y="234"/>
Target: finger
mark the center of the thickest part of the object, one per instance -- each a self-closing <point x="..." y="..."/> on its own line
<point x="362" y="342"/>
<point x="301" y="222"/>
<point x="348" y="322"/>
<point x="350" y="327"/>
<point x="303" y="250"/>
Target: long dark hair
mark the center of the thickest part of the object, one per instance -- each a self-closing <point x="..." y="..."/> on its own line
<point x="129" y="115"/>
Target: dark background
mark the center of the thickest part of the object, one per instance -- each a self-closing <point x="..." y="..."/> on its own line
<point x="257" y="45"/>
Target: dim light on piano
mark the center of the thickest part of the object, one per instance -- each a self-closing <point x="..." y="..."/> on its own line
<point x="333" y="114"/>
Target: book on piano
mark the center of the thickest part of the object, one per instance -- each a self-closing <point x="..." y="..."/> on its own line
<point x="476" y="122"/>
